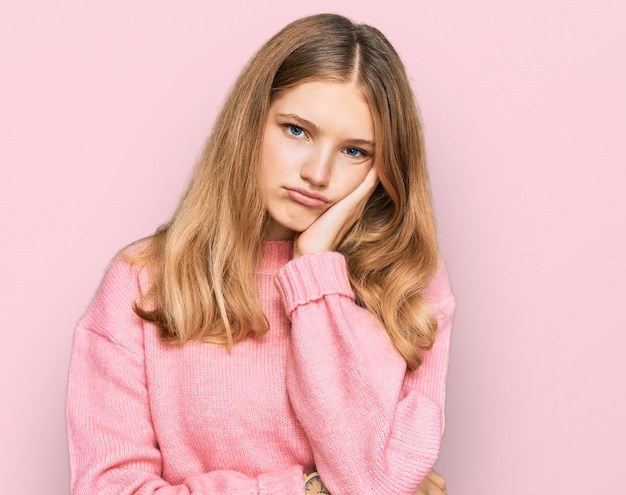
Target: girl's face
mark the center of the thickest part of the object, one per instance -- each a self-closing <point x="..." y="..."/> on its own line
<point x="317" y="147"/>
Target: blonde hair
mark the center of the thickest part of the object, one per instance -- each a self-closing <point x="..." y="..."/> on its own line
<point x="204" y="260"/>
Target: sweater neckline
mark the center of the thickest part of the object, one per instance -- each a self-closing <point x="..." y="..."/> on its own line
<point x="275" y="256"/>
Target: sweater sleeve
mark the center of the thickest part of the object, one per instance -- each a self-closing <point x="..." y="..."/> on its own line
<point x="373" y="426"/>
<point x="112" y="443"/>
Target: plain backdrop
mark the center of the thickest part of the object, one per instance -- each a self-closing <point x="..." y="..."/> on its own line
<point x="104" y="107"/>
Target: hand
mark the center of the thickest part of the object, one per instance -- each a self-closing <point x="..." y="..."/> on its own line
<point x="325" y="233"/>
<point x="433" y="484"/>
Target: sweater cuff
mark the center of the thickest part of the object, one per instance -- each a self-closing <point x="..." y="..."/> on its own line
<point x="311" y="277"/>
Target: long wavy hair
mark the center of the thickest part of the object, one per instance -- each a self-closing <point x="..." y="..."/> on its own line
<point x="203" y="261"/>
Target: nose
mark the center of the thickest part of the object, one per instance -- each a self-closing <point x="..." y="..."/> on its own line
<point x="317" y="168"/>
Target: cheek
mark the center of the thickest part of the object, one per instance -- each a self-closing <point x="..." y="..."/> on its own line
<point x="279" y="157"/>
<point x="270" y="153"/>
<point x="352" y="178"/>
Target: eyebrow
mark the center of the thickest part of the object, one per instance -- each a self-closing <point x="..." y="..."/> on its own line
<point x="310" y="125"/>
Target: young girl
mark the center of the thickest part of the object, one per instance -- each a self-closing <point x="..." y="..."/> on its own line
<point x="287" y="331"/>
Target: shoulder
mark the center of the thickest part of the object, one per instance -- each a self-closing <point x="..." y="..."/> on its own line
<point x="438" y="292"/>
<point x="111" y="312"/>
<point x="127" y="271"/>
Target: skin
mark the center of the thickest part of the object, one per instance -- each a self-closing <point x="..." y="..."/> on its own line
<point x="317" y="163"/>
<point x="433" y="484"/>
<point x="317" y="172"/>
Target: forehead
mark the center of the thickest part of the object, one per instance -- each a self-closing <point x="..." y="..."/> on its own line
<point x="328" y="104"/>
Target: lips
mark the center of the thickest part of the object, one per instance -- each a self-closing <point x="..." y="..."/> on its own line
<point x="307" y="198"/>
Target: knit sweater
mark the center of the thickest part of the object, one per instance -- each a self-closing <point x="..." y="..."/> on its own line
<point x="324" y="389"/>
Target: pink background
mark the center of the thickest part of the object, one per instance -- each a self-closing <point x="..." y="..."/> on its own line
<point x="103" y="110"/>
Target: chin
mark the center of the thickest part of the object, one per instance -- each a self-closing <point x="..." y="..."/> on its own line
<point x="302" y="226"/>
<point x="300" y="223"/>
<point x="285" y="224"/>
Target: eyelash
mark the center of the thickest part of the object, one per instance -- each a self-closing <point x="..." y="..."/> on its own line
<point x="300" y="131"/>
<point x="291" y="127"/>
<point x="361" y="153"/>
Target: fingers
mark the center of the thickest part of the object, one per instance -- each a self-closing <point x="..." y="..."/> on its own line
<point x="371" y="179"/>
<point x="433" y="484"/>
<point x="437" y="479"/>
<point x="354" y="204"/>
<point x="366" y="188"/>
<point x="328" y="230"/>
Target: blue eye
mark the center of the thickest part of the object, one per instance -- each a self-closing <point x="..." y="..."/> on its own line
<point x="294" y="130"/>
<point x="355" y="152"/>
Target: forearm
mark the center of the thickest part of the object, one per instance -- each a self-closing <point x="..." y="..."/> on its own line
<point x="113" y="447"/>
<point x="372" y="426"/>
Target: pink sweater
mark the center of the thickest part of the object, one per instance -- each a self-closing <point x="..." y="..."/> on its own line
<point x="324" y="389"/>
